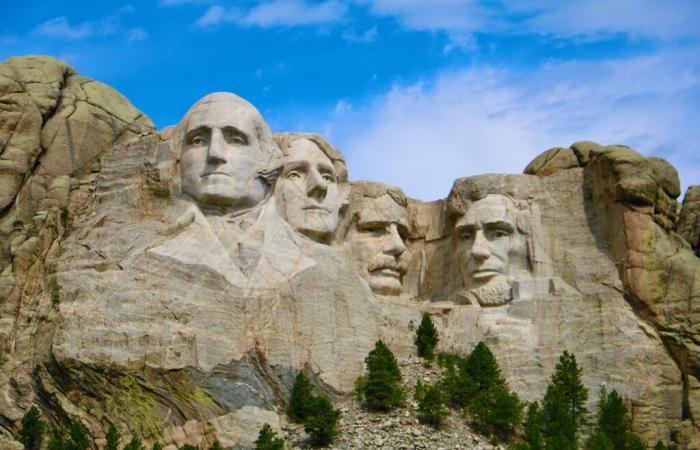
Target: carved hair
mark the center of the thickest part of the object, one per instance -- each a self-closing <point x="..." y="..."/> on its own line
<point x="371" y="189"/>
<point x="285" y="140"/>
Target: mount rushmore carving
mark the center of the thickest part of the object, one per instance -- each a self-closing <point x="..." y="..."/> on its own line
<point x="196" y="270"/>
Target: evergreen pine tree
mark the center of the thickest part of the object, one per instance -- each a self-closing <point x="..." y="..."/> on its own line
<point x="492" y="405"/>
<point x="79" y="438"/>
<point x="31" y="433"/>
<point x="599" y="441"/>
<point x="268" y="440"/>
<point x="216" y="446"/>
<point x="634" y="442"/>
<point x="383" y="390"/>
<point x="301" y="395"/>
<point x="57" y="441"/>
<point x="426" y="338"/>
<point x="134" y="444"/>
<point x="612" y="418"/>
<point x="189" y="447"/>
<point x="112" y="438"/>
<point x="157" y="446"/>
<point x="660" y="446"/>
<point x="322" y="420"/>
<point x="533" y="427"/>
<point x="431" y="404"/>
<point x="564" y="405"/>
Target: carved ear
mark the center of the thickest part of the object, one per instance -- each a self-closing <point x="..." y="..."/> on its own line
<point x="270" y="176"/>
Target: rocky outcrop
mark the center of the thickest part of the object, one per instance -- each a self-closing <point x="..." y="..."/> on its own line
<point x="175" y="283"/>
<point x="54" y="127"/>
<point x="689" y="219"/>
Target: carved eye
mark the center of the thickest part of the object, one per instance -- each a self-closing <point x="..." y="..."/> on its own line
<point x="467" y="236"/>
<point x="328" y="177"/>
<point x="293" y="175"/>
<point x="199" y="140"/>
<point x="238" y="140"/>
<point x="500" y="234"/>
<point x="375" y="229"/>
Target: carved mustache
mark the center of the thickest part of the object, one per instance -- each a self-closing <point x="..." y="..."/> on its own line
<point x="381" y="262"/>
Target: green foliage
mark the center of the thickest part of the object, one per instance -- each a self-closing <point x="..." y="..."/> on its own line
<point x="112" y="438"/>
<point x="134" y="444"/>
<point x="431" y="404"/>
<point x="157" y="446"/>
<point x="612" y="418"/>
<point x="564" y="405"/>
<point x="534" y="421"/>
<point x="268" y="440"/>
<point x="660" y="446"/>
<point x="634" y="442"/>
<point x="383" y="390"/>
<point x="446" y="360"/>
<point x="57" y="441"/>
<point x="216" y="446"/>
<point x="419" y="390"/>
<point x="65" y="215"/>
<point x="484" y="390"/>
<point x="322" y="420"/>
<point x="79" y="438"/>
<point x="301" y="395"/>
<point x="55" y="290"/>
<point x="426" y="338"/>
<point x="31" y="433"/>
<point x="189" y="447"/>
<point x="599" y="441"/>
<point x="360" y="384"/>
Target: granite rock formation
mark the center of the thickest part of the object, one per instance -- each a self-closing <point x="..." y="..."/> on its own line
<point x="175" y="282"/>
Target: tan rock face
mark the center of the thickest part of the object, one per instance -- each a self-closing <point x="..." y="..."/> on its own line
<point x="689" y="220"/>
<point x="195" y="272"/>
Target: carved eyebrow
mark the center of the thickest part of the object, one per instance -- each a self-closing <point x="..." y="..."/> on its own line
<point x="235" y="131"/>
<point x="199" y="130"/>
<point x="500" y="225"/>
<point x="372" y="223"/>
<point x="466" y="227"/>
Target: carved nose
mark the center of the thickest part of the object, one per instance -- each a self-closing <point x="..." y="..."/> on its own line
<point x="395" y="245"/>
<point x="316" y="186"/>
<point x="217" y="148"/>
<point x="481" y="247"/>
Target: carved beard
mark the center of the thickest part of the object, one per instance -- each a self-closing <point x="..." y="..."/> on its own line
<point x="495" y="293"/>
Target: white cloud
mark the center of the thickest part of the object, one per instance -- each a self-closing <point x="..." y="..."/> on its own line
<point x="59" y="28"/>
<point x="369" y="35"/>
<point x="136" y="34"/>
<point x="588" y="19"/>
<point x="283" y="13"/>
<point x="483" y="120"/>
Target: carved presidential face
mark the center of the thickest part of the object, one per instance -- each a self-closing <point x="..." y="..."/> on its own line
<point x="222" y="155"/>
<point x="307" y="192"/>
<point x="488" y="236"/>
<point x="376" y="243"/>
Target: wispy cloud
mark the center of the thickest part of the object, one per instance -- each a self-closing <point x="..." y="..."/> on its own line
<point x="136" y="34"/>
<point x="60" y="28"/>
<point x="277" y="13"/>
<point x="481" y="119"/>
<point x="369" y="35"/>
<point x="588" y="19"/>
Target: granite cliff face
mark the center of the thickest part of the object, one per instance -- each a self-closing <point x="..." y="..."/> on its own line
<point x="175" y="282"/>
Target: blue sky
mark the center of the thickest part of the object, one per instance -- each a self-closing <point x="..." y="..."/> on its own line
<point x="414" y="93"/>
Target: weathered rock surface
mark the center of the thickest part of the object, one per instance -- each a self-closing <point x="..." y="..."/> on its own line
<point x="174" y="285"/>
<point x="689" y="219"/>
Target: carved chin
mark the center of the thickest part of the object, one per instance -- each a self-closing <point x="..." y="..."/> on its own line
<point x="384" y="285"/>
<point x="495" y="292"/>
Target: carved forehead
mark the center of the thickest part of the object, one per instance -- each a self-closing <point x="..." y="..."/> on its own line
<point x="306" y="150"/>
<point x="490" y="209"/>
<point x="223" y="109"/>
<point x="382" y="209"/>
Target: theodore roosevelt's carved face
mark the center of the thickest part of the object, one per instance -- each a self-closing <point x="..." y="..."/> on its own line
<point x="488" y="235"/>
<point x="308" y="193"/>
<point x="376" y="243"/>
<point x="226" y="144"/>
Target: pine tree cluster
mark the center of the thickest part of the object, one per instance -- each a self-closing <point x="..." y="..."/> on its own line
<point x="317" y="414"/>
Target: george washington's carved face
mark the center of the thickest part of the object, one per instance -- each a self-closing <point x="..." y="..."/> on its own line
<point x="223" y="153"/>
<point x="488" y="236"/>
<point x="376" y="243"/>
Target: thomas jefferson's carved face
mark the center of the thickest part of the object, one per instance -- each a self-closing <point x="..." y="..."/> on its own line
<point x="307" y="192"/>
<point x="222" y="155"/>
<point x="376" y="243"/>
